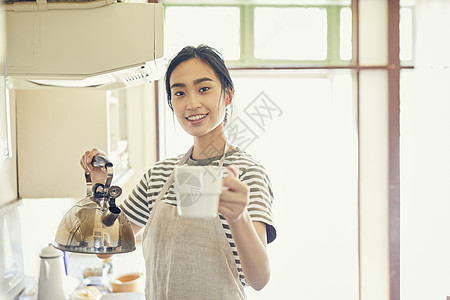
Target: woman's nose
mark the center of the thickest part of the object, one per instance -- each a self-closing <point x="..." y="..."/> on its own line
<point x="192" y="103"/>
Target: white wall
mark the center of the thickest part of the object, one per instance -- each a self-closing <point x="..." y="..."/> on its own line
<point x="425" y="185"/>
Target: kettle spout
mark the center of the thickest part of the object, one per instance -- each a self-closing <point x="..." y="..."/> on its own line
<point x="110" y="217"/>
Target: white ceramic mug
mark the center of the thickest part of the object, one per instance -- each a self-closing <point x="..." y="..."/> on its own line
<point x="198" y="190"/>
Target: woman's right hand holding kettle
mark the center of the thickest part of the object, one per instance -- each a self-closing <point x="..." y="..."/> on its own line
<point x="98" y="174"/>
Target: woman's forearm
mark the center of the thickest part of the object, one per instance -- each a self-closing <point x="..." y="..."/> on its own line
<point x="250" y="240"/>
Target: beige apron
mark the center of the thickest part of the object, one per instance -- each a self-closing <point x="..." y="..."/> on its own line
<point x="187" y="258"/>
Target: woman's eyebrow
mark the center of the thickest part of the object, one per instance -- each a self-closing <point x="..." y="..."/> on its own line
<point x="196" y="81"/>
<point x="177" y="85"/>
<point x="200" y="80"/>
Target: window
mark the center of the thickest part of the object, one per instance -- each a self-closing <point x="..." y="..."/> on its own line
<point x="263" y="35"/>
<point x="216" y="26"/>
<point x="290" y="33"/>
<point x="406" y="34"/>
<point x="345" y="27"/>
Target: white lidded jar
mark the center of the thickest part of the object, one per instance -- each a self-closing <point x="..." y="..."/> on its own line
<point x="52" y="277"/>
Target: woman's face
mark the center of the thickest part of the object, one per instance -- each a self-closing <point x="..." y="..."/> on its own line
<point x="197" y="98"/>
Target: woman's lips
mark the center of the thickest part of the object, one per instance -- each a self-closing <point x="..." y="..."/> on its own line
<point x="196" y="119"/>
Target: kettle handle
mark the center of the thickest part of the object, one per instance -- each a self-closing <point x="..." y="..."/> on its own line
<point x="101" y="161"/>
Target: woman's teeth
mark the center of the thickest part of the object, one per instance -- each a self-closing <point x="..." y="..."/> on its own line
<point x="196" y="117"/>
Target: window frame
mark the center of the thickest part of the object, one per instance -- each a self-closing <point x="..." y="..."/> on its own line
<point x="247" y="58"/>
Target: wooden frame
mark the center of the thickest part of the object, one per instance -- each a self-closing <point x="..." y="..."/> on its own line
<point x="394" y="147"/>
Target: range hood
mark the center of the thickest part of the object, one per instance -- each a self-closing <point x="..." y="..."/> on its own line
<point x="77" y="44"/>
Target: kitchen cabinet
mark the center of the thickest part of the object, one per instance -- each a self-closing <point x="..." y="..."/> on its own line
<point x="55" y="126"/>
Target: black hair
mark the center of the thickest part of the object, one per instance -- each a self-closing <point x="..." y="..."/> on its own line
<point x="208" y="55"/>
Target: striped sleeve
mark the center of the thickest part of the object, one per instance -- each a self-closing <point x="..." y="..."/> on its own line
<point x="260" y="197"/>
<point x="136" y="206"/>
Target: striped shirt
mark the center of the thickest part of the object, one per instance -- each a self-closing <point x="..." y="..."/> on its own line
<point x="140" y="202"/>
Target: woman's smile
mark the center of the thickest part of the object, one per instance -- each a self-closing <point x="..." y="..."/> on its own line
<point x="196" y="118"/>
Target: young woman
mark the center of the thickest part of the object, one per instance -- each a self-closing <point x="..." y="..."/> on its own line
<point x="189" y="258"/>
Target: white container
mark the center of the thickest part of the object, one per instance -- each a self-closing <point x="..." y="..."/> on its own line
<point x="52" y="277"/>
<point x="128" y="283"/>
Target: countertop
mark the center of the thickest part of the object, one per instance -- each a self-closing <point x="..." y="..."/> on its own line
<point x="76" y="265"/>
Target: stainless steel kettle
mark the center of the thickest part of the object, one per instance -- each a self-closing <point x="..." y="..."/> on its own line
<point x="95" y="224"/>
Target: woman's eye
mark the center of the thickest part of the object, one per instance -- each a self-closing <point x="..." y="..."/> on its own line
<point x="204" y="89"/>
<point x="178" y="94"/>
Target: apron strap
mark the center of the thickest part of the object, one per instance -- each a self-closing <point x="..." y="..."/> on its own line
<point x="169" y="180"/>
<point x="227" y="145"/>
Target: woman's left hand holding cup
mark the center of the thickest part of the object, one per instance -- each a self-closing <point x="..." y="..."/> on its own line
<point x="234" y="199"/>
